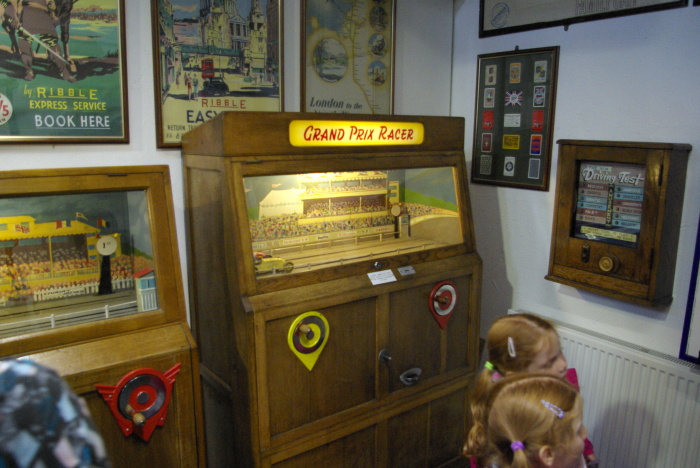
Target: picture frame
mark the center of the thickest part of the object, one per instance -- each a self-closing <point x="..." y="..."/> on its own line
<point x="497" y="17"/>
<point x="690" y="339"/>
<point x="195" y="79"/>
<point x="514" y="118"/>
<point x="329" y="57"/>
<point x="63" y="74"/>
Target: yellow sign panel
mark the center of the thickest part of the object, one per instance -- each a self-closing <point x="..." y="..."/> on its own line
<point x="625" y="236"/>
<point x="511" y="142"/>
<point x="354" y="133"/>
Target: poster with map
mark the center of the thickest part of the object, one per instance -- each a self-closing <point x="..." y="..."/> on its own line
<point x="348" y="56"/>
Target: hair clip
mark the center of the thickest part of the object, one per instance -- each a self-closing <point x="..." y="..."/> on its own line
<point x="511" y="347"/>
<point x="558" y="412"/>
<point x="517" y="445"/>
<point x="495" y="375"/>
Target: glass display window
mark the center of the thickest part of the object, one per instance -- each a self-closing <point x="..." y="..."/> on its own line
<point x="74" y="258"/>
<point x="609" y="202"/>
<point x="309" y="221"/>
<point x="83" y="247"/>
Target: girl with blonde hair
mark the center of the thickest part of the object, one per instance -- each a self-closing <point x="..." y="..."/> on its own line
<point x="535" y="421"/>
<point x="516" y="344"/>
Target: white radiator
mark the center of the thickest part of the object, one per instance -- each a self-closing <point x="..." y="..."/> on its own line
<point x="641" y="408"/>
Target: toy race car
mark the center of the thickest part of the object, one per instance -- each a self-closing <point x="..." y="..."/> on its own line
<point x="269" y="264"/>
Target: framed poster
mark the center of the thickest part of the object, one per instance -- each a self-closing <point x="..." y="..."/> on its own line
<point x="348" y="56"/>
<point x="213" y="57"/>
<point x="690" y="341"/>
<point x="504" y="17"/>
<point x="515" y="102"/>
<point x="63" y="72"/>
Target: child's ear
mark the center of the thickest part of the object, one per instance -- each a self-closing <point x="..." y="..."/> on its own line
<point x="546" y="455"/>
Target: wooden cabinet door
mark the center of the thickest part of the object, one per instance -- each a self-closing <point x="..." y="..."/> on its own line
<point x="416" y="341"/>
<point x="342" y="378"/>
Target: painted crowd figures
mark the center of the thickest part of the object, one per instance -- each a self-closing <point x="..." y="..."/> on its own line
<point x="64" y="264"/>
<point x="305" y="222"/>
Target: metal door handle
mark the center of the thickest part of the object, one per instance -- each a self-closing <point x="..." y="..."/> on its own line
<point x="384" y="356"/>
<point x="411" y="376"/>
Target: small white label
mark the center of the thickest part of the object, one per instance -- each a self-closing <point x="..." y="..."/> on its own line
<point x="407" y="270"/>
<point x="511" y="120"/>
<point x="381" y="277"/>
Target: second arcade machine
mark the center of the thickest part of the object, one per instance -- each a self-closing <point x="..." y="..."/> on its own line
<point x="335" y="288"/>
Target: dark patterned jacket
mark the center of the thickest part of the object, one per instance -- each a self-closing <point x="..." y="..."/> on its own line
<point x="43" y="423"/>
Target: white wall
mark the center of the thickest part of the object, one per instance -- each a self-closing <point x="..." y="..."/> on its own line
<point x="422" y="87"/>
<point x="630" y="78"/>
<point x="633" y="78"/>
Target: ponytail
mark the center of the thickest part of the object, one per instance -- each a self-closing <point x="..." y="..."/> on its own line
<point x="527" y="412"/>
<point x="513" y="341"/>
<point x="520" y="455"/>
<point x="476" y="445"/>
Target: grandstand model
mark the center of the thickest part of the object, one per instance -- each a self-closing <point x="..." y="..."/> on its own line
<point x="343" y="193"/>
<point x="47" y="261"/>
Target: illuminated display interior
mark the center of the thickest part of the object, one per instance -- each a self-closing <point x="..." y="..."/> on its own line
<point x="74" y="258"/>
<point x="303" y="222"/>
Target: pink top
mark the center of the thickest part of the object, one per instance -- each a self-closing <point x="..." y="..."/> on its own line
<point x="572" y="377"/>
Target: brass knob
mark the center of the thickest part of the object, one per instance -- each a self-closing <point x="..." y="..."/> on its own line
<point x="306" y="330"/>
<point x="138" y="418"/>
<point x="609" y="263"/>
<point x="443" y="299"/>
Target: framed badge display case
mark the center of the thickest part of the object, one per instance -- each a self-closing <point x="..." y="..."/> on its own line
<point x="90" y="286"/>
<point x="335" y="287"/>
<point x="514" y="118"/>
<point x="617" y="218"/>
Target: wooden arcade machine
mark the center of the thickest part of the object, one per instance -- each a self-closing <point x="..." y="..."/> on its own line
<point x="90" y="285"/>
<point x="335" y="288"/>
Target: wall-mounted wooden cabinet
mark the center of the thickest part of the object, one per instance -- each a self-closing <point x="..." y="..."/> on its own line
<point x="334" y="289"/>
<point x="617" y="218"/>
